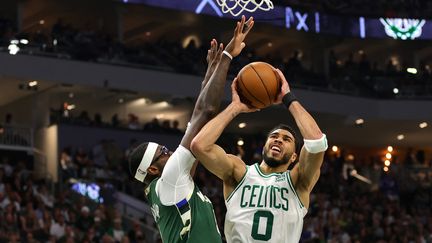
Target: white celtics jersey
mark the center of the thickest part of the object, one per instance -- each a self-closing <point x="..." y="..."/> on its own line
<point x="264" y="208"/>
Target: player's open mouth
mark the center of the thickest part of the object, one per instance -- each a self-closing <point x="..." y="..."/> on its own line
<point x="275" y="149"/>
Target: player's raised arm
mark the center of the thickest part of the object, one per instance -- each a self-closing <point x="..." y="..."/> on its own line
<point x="307" y="171"/>
<point x="225" y="166"/>
<point x="210" y="97"/>
<point x="178" y="173"/>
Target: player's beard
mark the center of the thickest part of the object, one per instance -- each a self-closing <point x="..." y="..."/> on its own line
<point x="272" y="162"/>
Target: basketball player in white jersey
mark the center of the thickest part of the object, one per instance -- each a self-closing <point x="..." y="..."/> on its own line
<point x="265" y="202"/>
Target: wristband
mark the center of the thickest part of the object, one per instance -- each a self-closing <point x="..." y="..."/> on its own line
<point x="317" y="145"/>
<point x="288" y="99"/>
<point x="227" y="54"/>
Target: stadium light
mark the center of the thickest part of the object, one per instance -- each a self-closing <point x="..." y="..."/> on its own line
<point x="388" y="156"/>
<point x="359" y="121"/>
<point x="423" y="125"/>
<point x="412" y="70"/>
<point x="33" y="83"/>
<point x="13" y="49"/>
<point x="387" y="162"/>
<point x="71" y="107"/>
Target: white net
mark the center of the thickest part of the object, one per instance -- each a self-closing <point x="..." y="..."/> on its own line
<point x="236" y="7"/>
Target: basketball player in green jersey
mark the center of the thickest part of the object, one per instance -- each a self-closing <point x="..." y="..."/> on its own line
<point x="181" y="211"/>
<point x="265" y="202"/>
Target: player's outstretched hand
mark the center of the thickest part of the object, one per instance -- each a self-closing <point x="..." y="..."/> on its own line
<point x="284" y="88"/>
<point x="236" y="45"/>
<point x="240" y="106"/>
<point x="214" y="54"/>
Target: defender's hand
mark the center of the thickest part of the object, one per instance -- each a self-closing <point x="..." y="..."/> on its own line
<point x="214" y="55"/>
<point x="236" y="45"/>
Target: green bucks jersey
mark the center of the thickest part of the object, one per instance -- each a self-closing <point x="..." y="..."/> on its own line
<point x="191" y="220"/>
<point x="264" y="208"/>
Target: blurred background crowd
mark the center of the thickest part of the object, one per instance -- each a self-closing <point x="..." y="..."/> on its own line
<point x="64" y="147"/>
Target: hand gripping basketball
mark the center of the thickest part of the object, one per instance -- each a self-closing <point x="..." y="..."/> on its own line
<point x="258" y="85"/>
<point x="236" y="100"/>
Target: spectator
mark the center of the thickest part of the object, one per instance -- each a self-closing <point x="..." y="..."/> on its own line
<point x="58" y="228"/>
<point x="136" y="234"/>
<point x="117" y="231"/>
<point x="45" y="196"/>
<point x="68" y="168"/>
<point x="115" y="122"/>
<point x="85" y="221"/>
<point x="8" y="119"/>
<point x="133" y="122"/>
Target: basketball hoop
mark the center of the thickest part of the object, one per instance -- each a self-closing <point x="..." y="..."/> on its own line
<point x="236" y="7"/>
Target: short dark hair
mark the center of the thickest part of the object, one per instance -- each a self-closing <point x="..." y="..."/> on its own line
<point x="134" y="161"/>
<point x="289" y="129"/>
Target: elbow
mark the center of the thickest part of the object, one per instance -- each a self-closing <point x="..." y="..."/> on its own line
<point x="200" y="146"/>
<point x="196" y="146"/>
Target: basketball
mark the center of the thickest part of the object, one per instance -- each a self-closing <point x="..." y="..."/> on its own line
<point x="258" y="85"/>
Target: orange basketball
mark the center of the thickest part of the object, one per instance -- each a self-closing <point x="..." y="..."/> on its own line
<point x="258" y="85"/>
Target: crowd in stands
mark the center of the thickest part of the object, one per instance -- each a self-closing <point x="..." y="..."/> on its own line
<point x="34" y="210"/>
<point x="132" y="122"/>
<point x="65" y="41"/>
<point x="356" y="72"/>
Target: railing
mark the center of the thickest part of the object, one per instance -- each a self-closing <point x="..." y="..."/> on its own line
<point x="16" y="136"/>
<point x="132" y="206"/>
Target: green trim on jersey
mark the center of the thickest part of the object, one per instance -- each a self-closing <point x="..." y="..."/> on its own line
<point x="288" y="175"/>
<point x="238" y="186"/>
<point x="201" y="227"/>
<point x="266" y="176"/>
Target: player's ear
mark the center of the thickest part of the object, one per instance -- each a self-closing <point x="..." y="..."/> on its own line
<point x="153" y="170"/>
<point x="293" y="158"/>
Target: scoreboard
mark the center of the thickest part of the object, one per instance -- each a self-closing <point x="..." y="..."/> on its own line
<point x="313" y="22"/>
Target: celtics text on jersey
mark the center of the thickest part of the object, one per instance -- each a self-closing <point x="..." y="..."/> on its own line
<point x="264" y="208"/>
